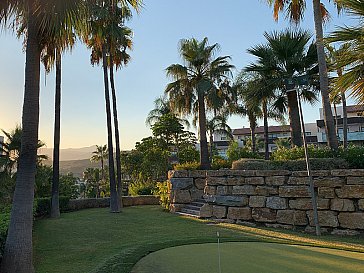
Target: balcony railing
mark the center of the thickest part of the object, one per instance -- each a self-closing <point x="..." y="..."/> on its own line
<point x="352" y="136"/>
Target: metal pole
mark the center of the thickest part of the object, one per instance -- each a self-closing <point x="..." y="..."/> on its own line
<point x="312" y="188"/>
<point x="218" y="249"/>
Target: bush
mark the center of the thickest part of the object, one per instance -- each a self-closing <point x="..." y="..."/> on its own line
<point x="187" y="166"/>
<point x="42" y="206"/>
<point x="295" y="153"/>
<point x="4" y="224"/>
<point x="220" y="163"/>
<point x="142" y="188"/>
<point x="163" y="190"/>
<point x="235" y="152"/>
<point x="354" y="155"/>
<point x="291" y="165"/>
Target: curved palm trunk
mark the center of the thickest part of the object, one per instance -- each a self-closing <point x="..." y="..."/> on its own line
<point x="253" y="125"/>
<point x="335" y="111"/>
<point x="294" y="119"/>
<point x="345" y="115"/>
<point x="324" y="82"/>
<point x="204" y="155"/>
<point x="114" y="203"/>
<point x="18" y="254"/>
<point x="266" y="139"/>
<point x="117" y="137"/>
<point x="55" y="213"/>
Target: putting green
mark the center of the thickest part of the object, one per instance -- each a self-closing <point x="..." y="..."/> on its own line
<point x="250" y="257"/>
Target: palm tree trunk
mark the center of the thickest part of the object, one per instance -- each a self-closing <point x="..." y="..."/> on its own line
<point x="252" y="123"/>
<point x="204" y="155"/>
<point x="335" y="111"/>
<point x="55" y="213"/>
<point x="324" y="82"/>
<point x="294" y="119"/>
<point x="114" y="203"/>
<point x="18" y="253"/>
<point x="211" y="145"/>
<point x="345" y="115"/>
<point x="117" y="137"/>
<point x="266" y="138"/>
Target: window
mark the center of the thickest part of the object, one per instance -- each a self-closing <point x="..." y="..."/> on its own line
<point x="223" y="138"/>
<point x="308" y="133"/>
<point x="360" y="114"/>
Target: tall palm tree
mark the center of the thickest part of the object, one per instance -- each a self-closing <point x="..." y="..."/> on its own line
<point x="100" y="155"/>
<point x="295" y="12"/>
<point x="193" y="80"/>
<point x="40" y="19"/>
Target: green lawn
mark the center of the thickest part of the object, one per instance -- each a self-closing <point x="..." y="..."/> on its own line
<point x="94" y="240"/>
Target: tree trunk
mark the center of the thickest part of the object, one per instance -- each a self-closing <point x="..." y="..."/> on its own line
<point x="117" y="137"/>
<point x="345" y="115"/>
<point x="211" y="145"/>
<point x="204" y="152"/>
<point x="55" y="213"/>
<point x="324" y="82"/>
<point x="266" y="138"/>
<point x="18" y="253"/>
<point x="252" y="123"/>
<point x="335" y="111"/>
<point x="294" y="119"/>
<point x="114" y="203"/>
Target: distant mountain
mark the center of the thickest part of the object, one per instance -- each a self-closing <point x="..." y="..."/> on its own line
<point x="69" y="154"/>
<point x="77" y="167"/>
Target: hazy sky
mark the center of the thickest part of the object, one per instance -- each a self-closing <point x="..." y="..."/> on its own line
<point x="235" y="25"/>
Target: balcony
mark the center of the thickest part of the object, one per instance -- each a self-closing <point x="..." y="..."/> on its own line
<point x="352" y="136"/>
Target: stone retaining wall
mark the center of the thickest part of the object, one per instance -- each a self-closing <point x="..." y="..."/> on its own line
<point x="275" y="198"/>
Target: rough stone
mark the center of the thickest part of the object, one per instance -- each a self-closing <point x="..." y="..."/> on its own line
<point x="254" y="180"/>
<point x="181" y="183"/>
<point x="224" y="221"/>
<point x="275" y="202"/>
<point x="329" y="182"/>
<point x="206" y="211"/>
<point x="354" y="191"/>
<point x="257" y="201"/>
<point x="197" y="173"/>
<point x="215" y="181"/>
<point x="219" y="211"/>
<point x="264" y="215"/>
<point x="326" y="218"/>
<point x="177" y="174"/>
<point x="232" y="201"/>
<point x="210" y="190"/>
<point x="176" y="207"/>
<point x="216" y="173"/>
<point x="245" y="189"/>
<point x="196" y="194"/>
<point x="325" y="192"/>
<point x="242" y="173"/>
<point x="223" y="190"/>
<point x="306" y="204"/>
<point x="345" y="232"/>
<point x="350" y="172"/>
<point x="181" y="196"/>
<point x="294" y="191"/>
<point x="233" y="181"/>
<point x="352" y="220"/>
<point x="315" y="173"/>
<point x="355" y="180"/>
<point x="361" y="204"/>
<point x="275" y="180"/>
<point x="310" y="229"/>
<point x="297" y="180"/>
<point x="272" y="172"/>
<point x="292" y="217"/>
<point x="280" y="226"/>
<point x="245" y="223"/>
<point x="266" y="190"/>
<point x="239" y="213"/>
<point x="342" y="205"/>
<point x="200" y="183"/>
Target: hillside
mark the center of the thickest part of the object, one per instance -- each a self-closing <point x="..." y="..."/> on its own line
<point x="77" y="167"/>
<point x="70" y="153"/>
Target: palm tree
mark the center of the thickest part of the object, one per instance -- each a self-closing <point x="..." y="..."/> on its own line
<point x="285" y="55"/>
<point x="100" y="155"/>
<point x="193" y="81"/>
<point x="295" y="12"/>
<point x="217" y="124"/>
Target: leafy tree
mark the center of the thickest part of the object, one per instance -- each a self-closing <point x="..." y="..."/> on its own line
<point x="168" y="127"/>
<point x="68" y="186"/>
<point x="194" y="80"/>
<point x="100" y="155"/>
<point x="235" y="152"/>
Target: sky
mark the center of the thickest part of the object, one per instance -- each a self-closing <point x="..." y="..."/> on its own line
<point x="235" y="24"/>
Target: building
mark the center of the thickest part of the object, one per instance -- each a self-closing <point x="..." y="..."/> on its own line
<point x="355" y="114"/>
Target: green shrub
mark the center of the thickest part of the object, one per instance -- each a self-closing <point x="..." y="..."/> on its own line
<point x="42" y="206"/>
<point x="163" y="190"/>
<point x="295" y="153"/>
<point x="187" y="166"/>
<point x="354" y="155"/>
<point x="235" y="152"/>
<point x="4" y="224"/>
<point x="220" y="163"/>
<point x="142" y="188"/>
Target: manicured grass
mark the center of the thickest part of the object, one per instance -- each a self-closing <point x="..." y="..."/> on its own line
<point x="251" y="257"/>
<point x="94" y="240"/>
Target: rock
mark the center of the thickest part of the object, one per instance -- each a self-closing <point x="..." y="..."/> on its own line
<point x="242" y="173"/>
<point x="181" y="183"/>
<point x="275" y="202"/>
<point x="233" y="181"/>
<point x="206" y="211"/>
<point x="232" y="201"/>
<point x="197" y="173"/>
<point x="254" y="180"/>
<point x="342" y="205"/>
<point x="176" y="207"/>
<point x="243" y="190"/>
<point x="292" y="217"/>
<point x="239" y="213"/>
<point x="264" y="215"/>
<point x="310" y="229"/>
<point x="294" y="191"/>
<point x="224" y="190"/>
<point x="196" y="194"/>
<point x="181" y="197"/>
<point x="361" y="204"/>
<point x="215" y="181"/>
<point x="177" y="174"/>
<point x="325" y="192"/>
<point x="343" y="172"/>
<point x="294" y="180"/>
<point x="355" y="180"/>
<point x="224" y="221"/>
<point x="266" y="190"/>
<point x="257" y="201"/>
<point x="210" y="190"/>
<point x="200" y="183"/>
<point x="352" y="220"/>
<point x="245" y="223"/>
<point x="326" y="218"/>
<point x="219" y="211"/>
<point x="329" y="182"/>
<point x="315" y="173"/>
<point x="279" y="226"/>
<point x="275" y="180"/>
<point x="216" y="173"/>
<point x="306" y="204"/>
<point x="345" y="232"/>
<point x="354" y="191"/>
<point x="272" y="172"/>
